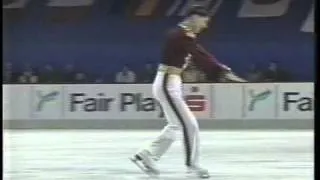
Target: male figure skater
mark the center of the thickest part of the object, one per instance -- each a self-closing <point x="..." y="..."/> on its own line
<point x="180" y="48"/>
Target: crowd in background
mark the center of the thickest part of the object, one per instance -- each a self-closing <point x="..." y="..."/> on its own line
<point x="73" y="41"/>
<point x="71" y="75"/>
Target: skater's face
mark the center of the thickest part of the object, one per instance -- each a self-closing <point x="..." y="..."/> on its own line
<point x="200" y="23"/>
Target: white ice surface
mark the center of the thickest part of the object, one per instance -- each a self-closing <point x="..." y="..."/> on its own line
<point x="103" y="155"/>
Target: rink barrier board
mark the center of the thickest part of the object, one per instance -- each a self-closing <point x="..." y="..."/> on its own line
<point x="134" y="102"/>
<point x="152" y="124"/>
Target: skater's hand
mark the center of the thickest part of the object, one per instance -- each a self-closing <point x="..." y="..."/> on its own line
<point x="225" y="68"/>
<point x="233" y="77"/>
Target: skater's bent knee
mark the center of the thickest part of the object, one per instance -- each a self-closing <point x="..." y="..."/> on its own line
<point x="173" y="127"/>
<point x="171" y="131"/>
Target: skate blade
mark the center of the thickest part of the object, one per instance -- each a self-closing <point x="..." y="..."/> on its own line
<point x="145" y="170"/>
<point x="193" y="174"/>
<point x="204" y="176"/>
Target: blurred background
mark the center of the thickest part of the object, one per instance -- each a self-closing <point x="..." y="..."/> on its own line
<point x="119" y="41"/>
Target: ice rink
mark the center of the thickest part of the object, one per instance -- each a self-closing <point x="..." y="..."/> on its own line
<point x="103" y="155"/>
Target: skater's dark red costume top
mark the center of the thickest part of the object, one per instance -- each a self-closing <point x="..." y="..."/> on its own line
<point x="179" y="45"/>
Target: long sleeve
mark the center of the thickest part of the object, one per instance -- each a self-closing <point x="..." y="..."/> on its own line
<point x="201" y="57"/>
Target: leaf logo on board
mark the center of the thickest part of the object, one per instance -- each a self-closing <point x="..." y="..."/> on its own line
<point x="257" y="97"/>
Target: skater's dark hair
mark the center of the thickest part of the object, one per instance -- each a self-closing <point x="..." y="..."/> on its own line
<point x="198" y="10"/>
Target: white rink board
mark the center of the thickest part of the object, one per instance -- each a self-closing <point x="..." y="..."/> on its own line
<point x="16" y="101"/>
<point x="296" y="101"/>
<point x="227" y="99"/>
<point x="260" y="101"/>
<point x="5" y="102"/>
<point x="199" y="99"/>
<point x="131" y="101"/>
<point x="241" y="101"/>
<point x="46" y="102"/>
<point x="109" y="101"/>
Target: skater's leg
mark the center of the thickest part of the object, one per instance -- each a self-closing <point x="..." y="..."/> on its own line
<point x="162" y="143"/>
<point x="157" y="148"/>
<point x="190" y="128"/>
<point x="191" y="123"/>
<point x="167" y="136"/>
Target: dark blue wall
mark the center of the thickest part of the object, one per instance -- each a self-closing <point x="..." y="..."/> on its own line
<point x="105" y="37"/>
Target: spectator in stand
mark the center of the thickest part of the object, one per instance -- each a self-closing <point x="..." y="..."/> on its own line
<point x="50" y="75"/>
<point x="125" y="76"/>
<point x="29" y="76"/>
<point x="148" y="73"/>
<point x="68" y="74"/>
<point x="80" y="78"/>
<point x="202" y="77"/>
<point x="7" y="73"/>
<point x="192" y="74"/>
<point x="99" y="80"/>
<point x="275" y="74"/>
<point x="254" y="74"/>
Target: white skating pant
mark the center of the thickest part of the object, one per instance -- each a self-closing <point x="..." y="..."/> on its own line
<point x="167" y="89"/>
